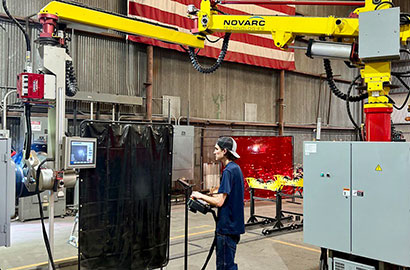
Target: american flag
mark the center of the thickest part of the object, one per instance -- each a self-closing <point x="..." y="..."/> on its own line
<point x="251" y="49"/>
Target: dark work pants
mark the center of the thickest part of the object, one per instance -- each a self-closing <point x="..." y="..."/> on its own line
<point x="225" y="251"/>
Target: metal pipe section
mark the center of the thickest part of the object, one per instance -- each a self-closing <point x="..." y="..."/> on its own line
<point x="304" y="3"/>
<point x="75" y="117"/>
<point x="5" y="108"/>
<point x="318" y="128"/>
<point x="179" y="120"/>
<point x="330" y="50"/>
<point x="189" y="111"/>
<point x="169" y="111"/>
<point x="150" y="75"/>
<point x="281" y="102"/>
<point x="319" y="98"/>
<point x="59" y="113"/>
<point x="54" y="63"/>
<point x="7" y="57"/>
<point x="92" y="110"/>
<point x="51" y="225"/>
<point x="297" y="47"/>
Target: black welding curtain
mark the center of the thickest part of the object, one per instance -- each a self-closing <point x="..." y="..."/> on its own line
<point x="125" y="202"/>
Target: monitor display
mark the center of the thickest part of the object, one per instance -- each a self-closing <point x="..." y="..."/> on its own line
<point x="82" y="153"/>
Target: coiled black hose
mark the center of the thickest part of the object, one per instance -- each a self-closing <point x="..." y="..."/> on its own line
<point x="333" y="87"/>
<point x="221" y="57"/>
<point x="70" y="79"/>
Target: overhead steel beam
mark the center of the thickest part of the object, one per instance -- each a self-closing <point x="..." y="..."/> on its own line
<point x="106" y="98"/>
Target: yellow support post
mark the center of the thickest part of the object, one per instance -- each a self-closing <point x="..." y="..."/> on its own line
<point x="376" y="75"/>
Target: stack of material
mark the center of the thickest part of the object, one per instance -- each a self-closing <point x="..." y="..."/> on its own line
<point x="212" y="174"/>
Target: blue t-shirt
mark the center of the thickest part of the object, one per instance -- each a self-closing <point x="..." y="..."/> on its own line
<point x="231" y="218"/>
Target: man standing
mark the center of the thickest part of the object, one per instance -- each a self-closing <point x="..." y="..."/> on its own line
<point x="229" y="200"/>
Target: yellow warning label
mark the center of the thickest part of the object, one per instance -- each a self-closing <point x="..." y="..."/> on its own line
<point x="378" y="168"/>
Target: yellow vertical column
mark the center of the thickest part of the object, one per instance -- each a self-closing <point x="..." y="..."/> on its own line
<point x="377" y="77"/>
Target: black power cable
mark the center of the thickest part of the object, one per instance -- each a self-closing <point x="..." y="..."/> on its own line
<point x="27" y="143"/>
<point x="404" y="18"/>
<point x="408" y="94"/>
<point x="349" y="113"/>
<point x="28" y="42"/>
<point x="213" y="41"/>
<point x="333" y="87"/>
<point x="45" y="236"/>
<point x="217" y="64"/>
<point x="27" y="109"/>
<point x="383" y="3"/>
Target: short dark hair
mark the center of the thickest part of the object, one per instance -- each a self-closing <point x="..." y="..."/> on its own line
<point x="230" y="156"/>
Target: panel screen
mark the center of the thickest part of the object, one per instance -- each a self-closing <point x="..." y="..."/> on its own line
<point x="82" y="153"/>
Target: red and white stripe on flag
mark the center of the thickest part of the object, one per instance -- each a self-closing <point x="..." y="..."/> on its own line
<point x="251" y="49"/>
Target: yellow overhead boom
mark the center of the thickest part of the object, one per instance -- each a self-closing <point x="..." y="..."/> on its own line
<point x="81" y="17"/>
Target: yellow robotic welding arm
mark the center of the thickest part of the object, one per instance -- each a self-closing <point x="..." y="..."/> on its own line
<point x="382" y="29"/>
<point x="77" y="16"/>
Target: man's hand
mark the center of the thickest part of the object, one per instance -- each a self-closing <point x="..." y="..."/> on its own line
<point x="197" y="195"/>
<point x="216" y="200"/>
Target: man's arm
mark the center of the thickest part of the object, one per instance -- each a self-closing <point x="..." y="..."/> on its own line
<point x="216" y="200"/>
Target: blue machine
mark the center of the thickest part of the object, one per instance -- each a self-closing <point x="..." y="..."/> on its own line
<point x="21" y="170"/>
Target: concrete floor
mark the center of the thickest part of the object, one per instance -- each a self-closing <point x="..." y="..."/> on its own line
<point x="255" y="251"/>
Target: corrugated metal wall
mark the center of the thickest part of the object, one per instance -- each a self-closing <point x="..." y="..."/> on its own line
<point x="12" y="48"/>
<point x="220" y="95"/>
<point x="102" y="64"/>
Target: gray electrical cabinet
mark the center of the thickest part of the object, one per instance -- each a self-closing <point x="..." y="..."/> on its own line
<point x="7" y="191"/>
<point x="379" y="35"/>
<point x="183" y="153"/>
<point x="357" y="198"/>
<point x="28" y="208"/>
